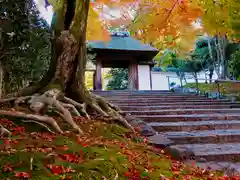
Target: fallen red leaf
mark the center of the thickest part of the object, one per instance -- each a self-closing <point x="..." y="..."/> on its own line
<point x="56" y="169"/>
<point x="18" y="130"/>
<point x="81" y="141"/>
<point x="7" y="168"/>
<point x="70" y="158"/>
<point x="22" y="175"/>
<point x="6" y="141"/>
<point x="132" y="174"/>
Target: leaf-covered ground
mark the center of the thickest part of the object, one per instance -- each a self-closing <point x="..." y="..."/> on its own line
<point x="106" y="152"/>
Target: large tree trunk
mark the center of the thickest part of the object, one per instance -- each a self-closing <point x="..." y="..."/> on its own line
<point x="1" y="80"/>
<point x="67" y="74"/>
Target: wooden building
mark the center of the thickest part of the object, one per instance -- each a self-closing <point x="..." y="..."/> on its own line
<point x="124" y="51"/>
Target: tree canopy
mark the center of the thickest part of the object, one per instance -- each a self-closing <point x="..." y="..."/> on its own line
<point x="157" y="20"/>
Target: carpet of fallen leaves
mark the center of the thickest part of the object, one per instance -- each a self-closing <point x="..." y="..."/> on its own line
<point x="106" y="151"/>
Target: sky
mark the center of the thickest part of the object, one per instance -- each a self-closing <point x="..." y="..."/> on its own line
<point x="47" y="13"/>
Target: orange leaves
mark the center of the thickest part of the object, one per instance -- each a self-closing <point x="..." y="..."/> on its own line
<point x="96" y="29"/>
<point x="158" y="18"/>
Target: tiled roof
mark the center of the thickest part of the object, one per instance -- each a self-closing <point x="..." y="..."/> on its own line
<point x="122" y="43"/>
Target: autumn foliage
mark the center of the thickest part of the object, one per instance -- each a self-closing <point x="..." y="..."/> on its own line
<point x="173" y="23"/>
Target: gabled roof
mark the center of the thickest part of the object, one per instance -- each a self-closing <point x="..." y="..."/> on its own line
<point x="126" y="43"/>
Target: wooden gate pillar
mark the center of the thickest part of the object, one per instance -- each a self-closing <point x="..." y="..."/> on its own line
<point x="132" y="75"/>
<point x="98" y="76"/>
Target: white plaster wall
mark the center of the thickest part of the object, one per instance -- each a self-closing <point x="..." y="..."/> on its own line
<point x="144" y="77"/>
<point x="160" y="79"/>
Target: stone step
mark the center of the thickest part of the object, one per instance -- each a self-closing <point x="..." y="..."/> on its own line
<point x="165" y="102"/>
<point x="212" y="152"/>
<point x="130" y="98"/>
<point x="188" y="117"/>
<point x="173" y="104"/>
<point x="229" y="168"/>
<point x="183" y="111"/>
<point x="207" y="136"/>
<point x="150" y="108"/>
<point x="195" y="125"/>
<point x="168" y="99"/>
<point x="139" y="92"/>
<point x="148" y="95"/>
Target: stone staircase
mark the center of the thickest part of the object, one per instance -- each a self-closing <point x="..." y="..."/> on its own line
<point x="209" y="128"/>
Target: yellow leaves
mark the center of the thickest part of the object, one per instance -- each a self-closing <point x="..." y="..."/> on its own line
<point x="217" y="17"/>
<point x="95" y="27"/>
<point x="159" y="18"/>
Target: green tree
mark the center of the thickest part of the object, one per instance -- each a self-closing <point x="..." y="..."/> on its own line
<point x="118" y="79"/>
<point x="25" y="45"/>
<point x="216" y="54"/>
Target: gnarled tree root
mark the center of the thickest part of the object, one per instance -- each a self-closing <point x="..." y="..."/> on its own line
<point x="46" y="119"/>
<point x="106" y="109"/>
<point x="41" y="124"/>
<point x="64" y="107"/>
<point x="80" y="107"/>
<point x="4" y="131"/>
<point x="50" y="99"/>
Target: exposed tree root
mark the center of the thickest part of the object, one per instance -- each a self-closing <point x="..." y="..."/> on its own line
<point x="50" y="99"/>
<point x="41" y="124"/>
<point x="106" y="109"/>
<point x="4" y="131"/>
<point x="46" y="119"/>
<point x="71" y="107"/>
<point x="80" y="107"/>
<point x="7" y="100"/>
<point x="64" y="106"/>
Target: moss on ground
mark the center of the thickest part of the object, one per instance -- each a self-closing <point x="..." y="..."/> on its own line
<point x="106" y="151"/>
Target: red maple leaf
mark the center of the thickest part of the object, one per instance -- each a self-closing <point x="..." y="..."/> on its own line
<point x="7" y="168"/>
<point x="24" y="175"/>
<point x="132" y="173"/>
<point x="18" y="130"/>
<point x="55" y="169"/>
<point x="6" y="142"/>
<point x="81" y="141"/>
<point x="70" y="158"/>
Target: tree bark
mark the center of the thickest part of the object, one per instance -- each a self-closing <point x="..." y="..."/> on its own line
<point x="211" y="70"/>
<point x="1" y="80"/>
<point x="196" y="81"/>
<point x="218" y="63"/>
